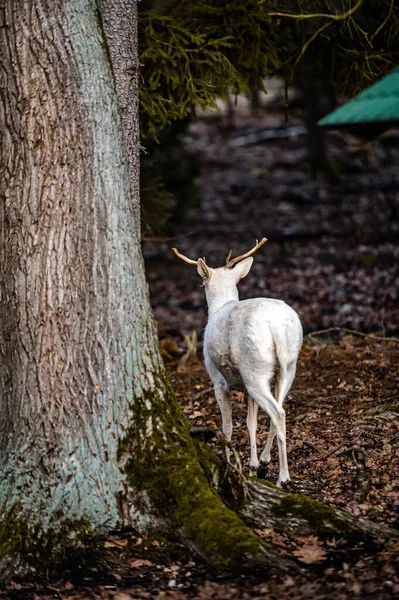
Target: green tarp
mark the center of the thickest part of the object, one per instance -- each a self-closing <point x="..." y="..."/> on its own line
<point x="377" y="105"/>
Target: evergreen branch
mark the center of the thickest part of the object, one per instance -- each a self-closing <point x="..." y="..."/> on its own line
<point x="382" y="25"/>
<point x="308" y="42"/>
<point x="362" y="32"/>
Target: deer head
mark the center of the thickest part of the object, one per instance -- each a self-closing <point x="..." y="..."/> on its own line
<point x="221" y="283"/>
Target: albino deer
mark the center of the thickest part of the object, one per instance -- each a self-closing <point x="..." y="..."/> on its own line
<point x="244" y="343"/>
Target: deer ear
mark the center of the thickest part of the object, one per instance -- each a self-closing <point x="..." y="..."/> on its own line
<point x="203" y="270"/>
<point x="242" y="268"/>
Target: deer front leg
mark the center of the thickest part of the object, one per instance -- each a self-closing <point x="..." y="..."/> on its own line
<point x="224" y="401"/>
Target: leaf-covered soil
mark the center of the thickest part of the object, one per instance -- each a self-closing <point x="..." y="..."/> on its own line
<point x="332" y="255"/>
<point x="342" y="423"/>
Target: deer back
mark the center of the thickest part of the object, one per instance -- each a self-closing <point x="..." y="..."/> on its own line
<point x="241" y="337"/>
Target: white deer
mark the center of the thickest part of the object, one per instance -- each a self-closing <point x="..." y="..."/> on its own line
<point x="245" y="341"/>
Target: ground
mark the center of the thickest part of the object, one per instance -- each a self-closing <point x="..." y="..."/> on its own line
<point x="331" y="255"/>
<point x="342" y="423"/>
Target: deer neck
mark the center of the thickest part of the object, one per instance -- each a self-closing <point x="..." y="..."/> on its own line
<point x="216" y="298"/>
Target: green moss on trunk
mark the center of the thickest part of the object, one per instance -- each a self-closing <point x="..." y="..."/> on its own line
<point x="37" y="548"/>
<point x="166" y="465"/>
<point x="318" y="515"/>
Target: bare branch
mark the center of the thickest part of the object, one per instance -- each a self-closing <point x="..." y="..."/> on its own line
<point x="339" y="17"/>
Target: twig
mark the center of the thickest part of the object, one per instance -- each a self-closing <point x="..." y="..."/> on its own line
<point x="312" y="446"/>
<point x="349" y="452"/>
<point x="159" y="239"/>
<point x="307" y="44"/>
<point x="333" y="451"/>
<point x="341" y="17"/>
<point x="300" y="17"/>
<point x="382" y="25"/>
<point x="333" y="374"/>
<point x="353" y="332"/>
<point x="202" y="393"/>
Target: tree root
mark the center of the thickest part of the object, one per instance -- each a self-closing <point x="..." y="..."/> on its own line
<point x="261" y="504"/>
<point x="267" y="506"/>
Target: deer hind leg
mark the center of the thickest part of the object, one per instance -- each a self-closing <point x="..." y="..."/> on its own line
<point x="262" y="395"/>
<point x="252" y="420"/>
<point x="285" y="377"/>
<point x="266" y="452"/>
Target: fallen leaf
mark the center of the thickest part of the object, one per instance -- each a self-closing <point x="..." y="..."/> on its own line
<point x="262" y="533"/>
<point x="356" y="587"/>
<point x="115" y="543"/>
<point x="289" y="581"/>
<point x="69" y="585"/>
<point x="141" y="562"/>
<point x="311" y="552"/>
<point x="138" y="541"/>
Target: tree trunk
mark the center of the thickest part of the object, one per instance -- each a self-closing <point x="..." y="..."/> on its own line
<point x="317" y="95"/>
<point x="78" y="343"/>
<point x="119" y="19"/>
<point x="91" y="437"/>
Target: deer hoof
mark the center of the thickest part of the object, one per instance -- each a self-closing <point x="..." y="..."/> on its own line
<point x="263" y="470"/>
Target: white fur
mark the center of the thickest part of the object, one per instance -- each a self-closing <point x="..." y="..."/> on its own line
<point x="245" y="343"/>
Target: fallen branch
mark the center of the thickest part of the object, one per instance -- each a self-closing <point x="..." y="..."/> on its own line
<point x="268" y="134"/>
<point x="353" y="332"/>
<point x="203" y="433"/>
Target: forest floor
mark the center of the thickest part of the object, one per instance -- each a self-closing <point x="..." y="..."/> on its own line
<point x="331" y="255"/>
<point x="343" y="431"/>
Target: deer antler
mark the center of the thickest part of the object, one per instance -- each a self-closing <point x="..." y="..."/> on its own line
<point x="230" y="262"/>
<point x="187" y="260"/>
<point x="202" y="267"/>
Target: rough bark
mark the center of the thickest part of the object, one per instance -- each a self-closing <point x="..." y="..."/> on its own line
<point x="119" y="19"/>
<point x="77" y="339"/>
